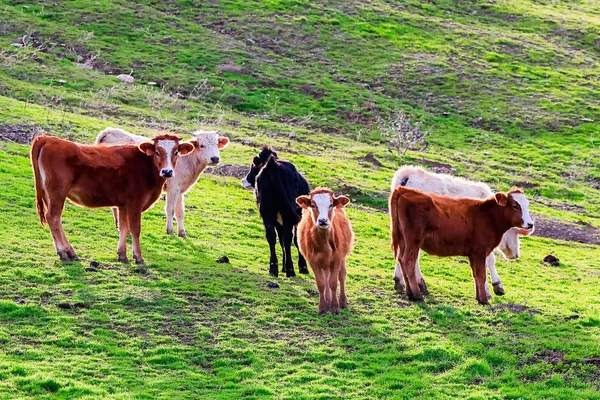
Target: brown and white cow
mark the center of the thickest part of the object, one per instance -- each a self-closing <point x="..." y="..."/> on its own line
<point x="448" y="185"/>
<point x="325" y="239"/>
<point x="206" y="154"/>
<point x="128" y="177"/>
<point x="445" y="226"/>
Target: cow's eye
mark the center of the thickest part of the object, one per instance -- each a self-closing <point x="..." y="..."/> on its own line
<point x="157" y="153"/>
<point x="176" y="153"/>
<point x="516" y="207"/>
<point x="201" y="146"/>
<point x="331" y="206"/>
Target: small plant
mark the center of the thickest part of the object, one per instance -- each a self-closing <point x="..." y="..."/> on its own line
<point x="401" y="133"/>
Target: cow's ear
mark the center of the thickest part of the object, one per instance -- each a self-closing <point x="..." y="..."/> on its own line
<point x="195" y="143"/>
<point x="223" y="142"/>
<point x="501" y="199"/>
<point x="303" y="201"/>
<point x="340" y="201"/>
<point x="186" y="148"/>
<point x="256" y="161"/>
<point x="147" y="148"/>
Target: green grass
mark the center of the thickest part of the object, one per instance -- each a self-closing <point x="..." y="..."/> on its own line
<point x="508" y="90"/>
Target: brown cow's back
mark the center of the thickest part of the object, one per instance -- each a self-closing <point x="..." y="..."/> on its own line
<point x="93" y="172"/>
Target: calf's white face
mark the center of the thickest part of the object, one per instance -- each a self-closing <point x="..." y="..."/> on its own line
<point x="322" y="205"/>
<point x="208" y="145"/>
<point x="164" y="151"/>
<point x="523" y="204"/>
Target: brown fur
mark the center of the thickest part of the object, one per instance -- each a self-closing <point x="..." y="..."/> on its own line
<point x="326" y="249"/>
<point x="126" y="177"/>
<point x="445" y="226"/>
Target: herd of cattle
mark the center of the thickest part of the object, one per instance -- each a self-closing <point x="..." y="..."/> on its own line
<point x="437" y="213"/>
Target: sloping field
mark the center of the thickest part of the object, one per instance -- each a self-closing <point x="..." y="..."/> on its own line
<point x="509" y="92"/>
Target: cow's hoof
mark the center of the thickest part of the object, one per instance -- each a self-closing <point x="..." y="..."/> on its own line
<point x="304" y="271"/>
<point x="399" y="285"/>
<point x="63" y="255"/>
<point x="343" y="303"/>
<point x="139" y="260"/>
<point x="169" y="231"/>
<point x="335" y="311"/>
<point x="274" y="270"/>
<point x="415" y="297"/>
<point x="290" y="274"/>
<point x="423" y="287"/>
<point x="498" y="288"/>
<point x="484" y="302"/>
<point x="182" y="234"/>
<point x="322" y="311"/>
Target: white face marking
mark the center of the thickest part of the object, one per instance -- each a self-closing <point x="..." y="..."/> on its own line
<point x="520" y="198"/>
<point x="168" y="146"/>
<point x="323" y="203"/>
<point x="208" y="147"/>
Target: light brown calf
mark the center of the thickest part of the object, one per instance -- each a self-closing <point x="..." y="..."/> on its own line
<point x="129" y="177"/>
<point x="446" y="226"/>
<point x="325" y="239"/>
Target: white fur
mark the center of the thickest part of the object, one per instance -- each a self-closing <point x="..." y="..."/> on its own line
<point x="246" y="184"/>
<point x="186" y="173"/>
<point x="524" y="203"/>
<point x="168" y="146"/>
<point x="323" y="203"/>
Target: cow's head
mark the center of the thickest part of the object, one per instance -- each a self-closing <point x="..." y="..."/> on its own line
<point x="322" y="205"/>
<point x="516" y="208"/>
<point x="164" y="150"/>
<point x="208" y="144"/>
<point x="249" y="182"/>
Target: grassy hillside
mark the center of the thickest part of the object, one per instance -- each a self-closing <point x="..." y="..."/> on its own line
<point x="509" y="92"/>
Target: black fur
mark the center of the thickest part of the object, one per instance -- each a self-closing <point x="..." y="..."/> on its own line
<point x="278" y="184"/>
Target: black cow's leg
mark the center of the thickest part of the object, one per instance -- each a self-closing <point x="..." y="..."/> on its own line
<point x="272" y="239"/>
<point x="279" y="228"/>
<point x="287" y="251"/>
<point x="302" y="267"/>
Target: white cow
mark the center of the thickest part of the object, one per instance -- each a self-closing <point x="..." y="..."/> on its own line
<point x="447" y="185"/>
<point x="187" y="170"/>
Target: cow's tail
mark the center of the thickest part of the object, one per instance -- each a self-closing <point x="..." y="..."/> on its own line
<point x="395" y="224"/>
<point x="40" y="191"/>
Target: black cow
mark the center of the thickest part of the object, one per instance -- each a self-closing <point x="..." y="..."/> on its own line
<point x="276" y="184"/>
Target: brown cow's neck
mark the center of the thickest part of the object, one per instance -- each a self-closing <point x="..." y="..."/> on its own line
<point x="496" y="212"/>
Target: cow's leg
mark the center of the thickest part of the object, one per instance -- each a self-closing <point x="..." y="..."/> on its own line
<point x="170" y="211"/>
<point x="54" y="217"/>
<point x="322" y="286"/>
<point x="123" y="232"/>
<point x="134" y="218"/>
<point x="288" y="263"/>
<point x="302" y="266"/>
<point x="409" y="266"/>
<point x="272" y="240"/>
<point x="342" y="277"/>
<point x="115" y="212"/>
<point x="398" y="277"/>
<point x="179" y="210"/>
<point x="490" y="263"/>
<point x="420" y="279"/>
<point x="479" y="275"/>
<point x="334" y="275"/>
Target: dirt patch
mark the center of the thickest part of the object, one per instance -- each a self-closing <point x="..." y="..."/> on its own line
<point x="22" y="133"/>
<point x="525" y="184"/>
<point x="550" y="356"/>
<point x="516" y="308"/>
<point x="309" y="90"/>
<point x="230" y="67"/>
<point x="555" y="229"/>
<point x="437" y="167"/>
<point x="235" y="170"/>
<point x="370" y="158"/>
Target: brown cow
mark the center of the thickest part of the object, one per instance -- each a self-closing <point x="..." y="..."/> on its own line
<point x="446" y="226"/>
<point x="128" y="177"/>
<point x="325" y="238"/>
